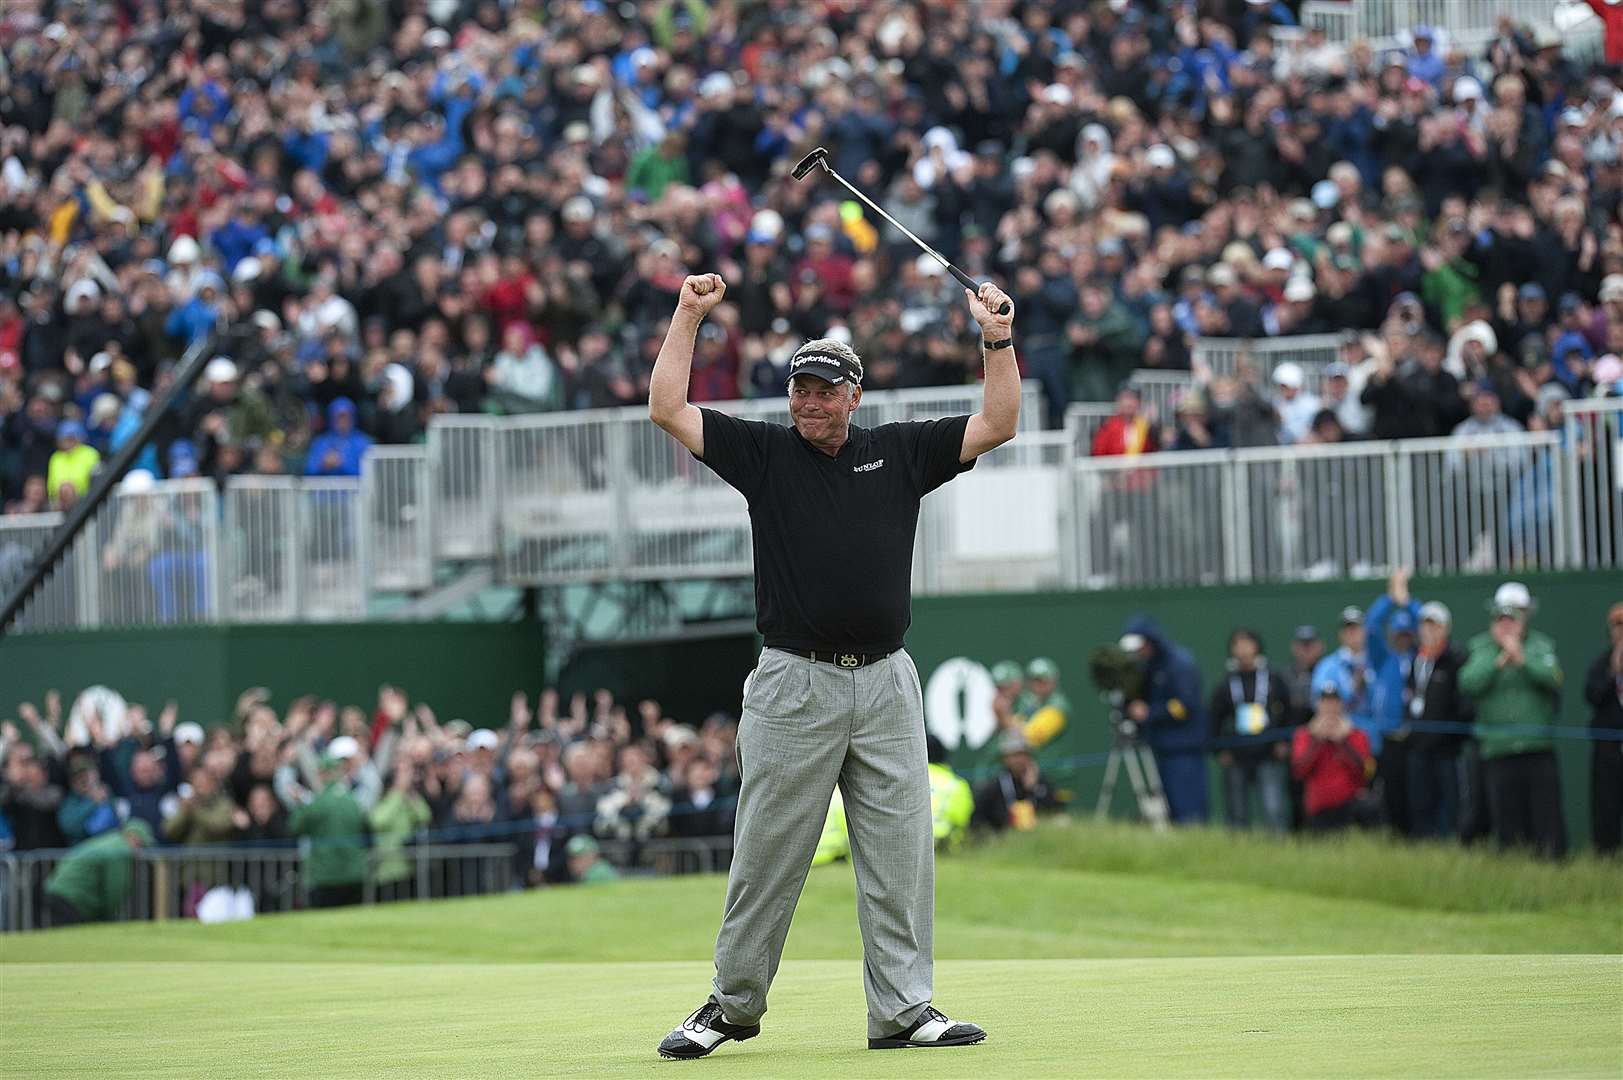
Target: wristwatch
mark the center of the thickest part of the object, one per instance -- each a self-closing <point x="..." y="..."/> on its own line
<point x="994" y="346"/>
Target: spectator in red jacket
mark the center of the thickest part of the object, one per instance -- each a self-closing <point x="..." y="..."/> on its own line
<point x="1332" y="760"/>
<point x="1127" y="432"/>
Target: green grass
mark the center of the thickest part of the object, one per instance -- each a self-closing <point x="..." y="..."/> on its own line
<point x="1086" y="951"/>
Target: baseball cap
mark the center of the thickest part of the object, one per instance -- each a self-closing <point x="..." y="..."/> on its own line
<point x="1289" y="374"/>
<point x="1304" y="633"/>
<point x="1570" y="302"/>
<point x="1278" y="259"/>
<point x="1131" y="643"/>
<point x="1401" y="623"/>
<point x="70" y="429"/>
<point x="189" y="733"/>
<point x="1329" y="688"/>
<point x="828" y="366"/>
<point x="1532" y="290"/>
<point x="343" y="748"/>
<point x="1435" y="611"/>
<point x="220" y="369"/>
<point x="1006" y="671"/>
<point x="1611" y="288"/>
<point x="1336" y="369"/>
<point x="1511" y="598"/>
<point x="1352" y="616"/>
<point x="1160" y="156"/>
<point x="483" y="739"/>
<point x="1042" y="668"/>
<point x="1298" y="290"/>
<point x="580" y="845"/>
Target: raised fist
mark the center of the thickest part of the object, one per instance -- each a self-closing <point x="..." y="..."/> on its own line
<point x="701" y="293"/>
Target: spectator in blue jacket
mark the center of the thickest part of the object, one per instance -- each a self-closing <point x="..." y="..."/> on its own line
<point x="1172" y="715"/>
<point x="1391" y="631"/>
<point x="1347" y="667"/>
<point x="196" y="317"/>
<point x="338" y="450"/>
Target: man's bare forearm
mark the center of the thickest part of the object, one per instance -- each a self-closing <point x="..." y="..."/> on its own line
<point x="1000" y="394"/>
<point x="668" y="384"/>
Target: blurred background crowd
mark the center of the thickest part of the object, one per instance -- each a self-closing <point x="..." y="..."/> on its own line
<point x="413" y="207"/>
<point x="1395" y="719"/>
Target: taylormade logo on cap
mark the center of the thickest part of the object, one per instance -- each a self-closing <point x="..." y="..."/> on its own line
<point x="838" y="368"/>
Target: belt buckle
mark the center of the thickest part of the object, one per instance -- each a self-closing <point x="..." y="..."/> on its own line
<point x="847" y="660"/>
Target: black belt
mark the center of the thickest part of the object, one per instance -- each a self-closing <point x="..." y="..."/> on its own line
<point x="837" y="657"/>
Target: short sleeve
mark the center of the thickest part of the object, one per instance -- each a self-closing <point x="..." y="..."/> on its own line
<point x="934" y="446"/>
<point x="735" y="450"/>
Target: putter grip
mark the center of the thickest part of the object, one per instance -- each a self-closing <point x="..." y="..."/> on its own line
<point x="972" y="285"/>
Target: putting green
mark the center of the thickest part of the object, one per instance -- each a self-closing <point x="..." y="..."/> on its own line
<point x="1085" y="951"/>
<point x="1260" y="1016"/>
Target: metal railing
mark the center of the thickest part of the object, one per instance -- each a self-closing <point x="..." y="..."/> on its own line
<point x="1592" y="453"/>
<point x="1467" y="23"/>
<point x="176" y="882"/>
<point x="397" y="498"/>
<point x="1220" y="357"/>
<point x="606" y="495"/>
<point x="462" y="450"/>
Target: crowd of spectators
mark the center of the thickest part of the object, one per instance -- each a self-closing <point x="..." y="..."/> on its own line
<point x="1402" y="725"/>
<point x="422" y="206"/>
<point x="360" y="786"/>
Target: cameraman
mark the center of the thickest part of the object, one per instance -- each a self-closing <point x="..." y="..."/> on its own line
<point x="1169" y="713"/>
<point x="1250" y="710"/>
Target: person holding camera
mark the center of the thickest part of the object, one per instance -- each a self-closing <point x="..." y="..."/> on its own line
<point x="1249" y="710"/>
<point x="1169" y="713"/>
<point x="1331" y="757"/>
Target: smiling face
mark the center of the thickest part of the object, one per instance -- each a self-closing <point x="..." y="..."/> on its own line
<point x="821" y="410"/>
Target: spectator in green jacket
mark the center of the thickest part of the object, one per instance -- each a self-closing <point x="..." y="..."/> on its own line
<point x="659" y="166"/>
<point x="1514" y="676"/>
<point x="397" y="817"/>
<point x="92" y="883"/>
<point x="1106" y="341"/>
<point x="87" y="810"/>
<point x="586" y="863"/>
<point x="336" y="826"/>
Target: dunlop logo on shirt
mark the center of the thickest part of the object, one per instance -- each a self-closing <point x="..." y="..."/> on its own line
<point x="870" y="467"/>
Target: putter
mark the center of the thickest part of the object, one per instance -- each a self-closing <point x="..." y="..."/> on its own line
<point x="818" y="158"/>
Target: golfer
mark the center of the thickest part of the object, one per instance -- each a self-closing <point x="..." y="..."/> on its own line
<point x="834" y="698"/>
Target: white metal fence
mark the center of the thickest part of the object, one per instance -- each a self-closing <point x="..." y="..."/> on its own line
<point x="606" y="495"/>
<point x="397" y="500"/>
<point x="1468" y="23"/>
<point x="1221" y="357"/>
<point x="1592" y="453"/>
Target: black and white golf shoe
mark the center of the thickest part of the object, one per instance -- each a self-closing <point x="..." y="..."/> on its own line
<point x="931" y="1029"/>
<point x="702" y="1032"/>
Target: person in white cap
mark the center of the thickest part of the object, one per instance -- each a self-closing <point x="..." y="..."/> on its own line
<point x="1295" y="403"/>
<point x="1515" y="678"/>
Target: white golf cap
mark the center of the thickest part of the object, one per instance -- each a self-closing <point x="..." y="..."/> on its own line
<point x="483" y="739"/>
<point x="1289" y="374"/>
<point x="1435" y="611"/>
<point x="927" y="266"/>
<point x="138" y="482"/>
<point x="189" y="733"/>
<point x="266" y="320"/>
<point x="1058" y="94"/>
<point x="247" y="269"/>
<point x="344" y="747"/>
<point x="1512" y="596"/>
<point x="1298" y="289"/>
<point x="1278" y="259"/>
<point x="1611" y="288"/>
<point x="1131" y="642"/>
<point x="579" y="208"/>
<point x="83" y="289"/>
<point x="220" y="369"/>
<point x="1467" y="89"/>
<point x="1160" y="156"/>
<point x="184" y="250"/>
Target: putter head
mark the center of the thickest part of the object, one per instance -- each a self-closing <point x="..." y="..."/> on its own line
<point x="818" y="157"/>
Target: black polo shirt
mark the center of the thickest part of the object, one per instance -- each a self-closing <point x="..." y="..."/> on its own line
<point x="833" y="536"/>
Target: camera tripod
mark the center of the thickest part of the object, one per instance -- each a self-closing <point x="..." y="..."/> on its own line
<point x="1126" y="751"/>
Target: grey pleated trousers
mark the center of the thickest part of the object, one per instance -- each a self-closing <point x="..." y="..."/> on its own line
<point x="805" y="727"/>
